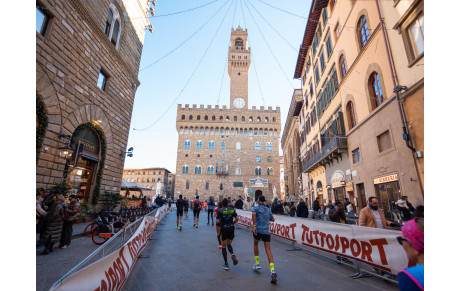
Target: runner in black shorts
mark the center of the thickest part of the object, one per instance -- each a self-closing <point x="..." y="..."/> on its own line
<point x="186" y="208"/>
<point x="261" y="217"/>
<point x="196" y="210"/>
<point x="225" y="217"/>
<point x="180" y="204"/>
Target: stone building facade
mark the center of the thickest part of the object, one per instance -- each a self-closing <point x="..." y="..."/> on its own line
<point x="87" y="61"/>
<point x="170" y="187"/>
<point x="351" y="123"/>
<point x="227" y="152"/>
<point x="290" y="143"/>
<point x="149" y="177"/>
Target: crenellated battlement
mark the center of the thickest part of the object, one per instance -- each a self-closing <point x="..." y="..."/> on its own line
<point x="195" y="107"/>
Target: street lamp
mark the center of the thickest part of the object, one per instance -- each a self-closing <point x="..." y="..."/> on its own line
<point x="129" y="153"/>
<point x="65" y="151"/>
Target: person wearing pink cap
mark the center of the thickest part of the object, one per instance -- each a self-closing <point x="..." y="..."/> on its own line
<point x="412" y="241"/>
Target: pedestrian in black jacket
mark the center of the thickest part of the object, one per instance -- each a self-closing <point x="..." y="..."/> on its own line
<point x="239" y="203"/>
<point x="316" y="208"/>
<point x="302" y="209"/>
<point x="337" y="214"/>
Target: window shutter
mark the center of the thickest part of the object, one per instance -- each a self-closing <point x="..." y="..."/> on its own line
<point x="341" y="124"/>
<point x="334" y="127"/>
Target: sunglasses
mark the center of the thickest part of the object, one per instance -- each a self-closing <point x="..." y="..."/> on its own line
<point x="401" y="239"/>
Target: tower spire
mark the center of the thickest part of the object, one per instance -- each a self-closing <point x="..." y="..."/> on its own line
<point x="239" y="61"/>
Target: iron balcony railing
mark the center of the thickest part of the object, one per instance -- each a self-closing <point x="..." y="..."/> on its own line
<point x="224" y="173"/>
<point x="336" y="143"/>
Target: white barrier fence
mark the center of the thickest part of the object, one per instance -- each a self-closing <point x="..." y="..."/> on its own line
<point x="373" y="246"/>
<point x="112" y="271"/>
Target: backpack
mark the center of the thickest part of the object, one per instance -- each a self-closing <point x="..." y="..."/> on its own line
<point x="196" y="204"/>
<point x="64" y="214"/>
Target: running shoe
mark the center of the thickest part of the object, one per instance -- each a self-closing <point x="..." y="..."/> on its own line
<point x="256" y="267"/>
<point x="177" y="227"/>
<point x="226" y="267"/>
<point x="235" y="261"/>
<point x="219" y="246"/>
<point x="196" y="226"/>
<point x="180" y="227"/>
<point x="273" y="281"/>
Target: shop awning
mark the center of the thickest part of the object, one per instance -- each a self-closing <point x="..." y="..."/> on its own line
<point x="125" y="185"/>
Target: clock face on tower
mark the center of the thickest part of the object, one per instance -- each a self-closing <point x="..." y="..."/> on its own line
<point x="239" y="103"/>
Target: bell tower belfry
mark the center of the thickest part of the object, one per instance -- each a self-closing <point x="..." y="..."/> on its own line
<point x="239" y="60"/>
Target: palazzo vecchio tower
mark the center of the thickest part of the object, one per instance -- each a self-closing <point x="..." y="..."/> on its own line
<point x="227" y="152"/>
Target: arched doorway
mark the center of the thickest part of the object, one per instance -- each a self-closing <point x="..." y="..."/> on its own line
<point x="258" y="194"/>
<point x="319" y="192"/>
<point x="86" y="157"/>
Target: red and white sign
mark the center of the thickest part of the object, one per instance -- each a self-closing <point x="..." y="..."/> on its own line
<point x="386" y="179"/>
<point x="373" y="246"/>
<point x="111" y="272"/>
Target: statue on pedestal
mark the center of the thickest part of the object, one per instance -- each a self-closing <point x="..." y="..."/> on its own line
<point x="159" y="188"/>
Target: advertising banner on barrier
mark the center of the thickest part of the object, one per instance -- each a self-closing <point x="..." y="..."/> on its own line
<point x="111" y="272"/>
<point x="373" y="246"/>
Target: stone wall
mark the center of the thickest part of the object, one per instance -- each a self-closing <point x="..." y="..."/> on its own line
<point x="69" y="57"/>
<point x="225" y="129"/>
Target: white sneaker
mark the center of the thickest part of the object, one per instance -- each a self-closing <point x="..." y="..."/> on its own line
<point x="65" y="247"/>
<point x="256" y="267"/>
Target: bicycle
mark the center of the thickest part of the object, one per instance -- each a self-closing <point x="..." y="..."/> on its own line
<point x="90" y="227"/>
<point x="106" y="228"/>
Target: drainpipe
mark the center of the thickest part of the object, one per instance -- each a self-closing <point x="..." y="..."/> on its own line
<point x="396" y="90"/>
<point x="396" y="86"/>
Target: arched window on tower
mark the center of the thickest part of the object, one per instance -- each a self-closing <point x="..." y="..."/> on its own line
<point x="268" y="146"/>
<point x="185" y="169"/>
<point x="238" y="42"/>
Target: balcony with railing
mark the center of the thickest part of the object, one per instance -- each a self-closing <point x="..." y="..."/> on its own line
<point x="222" y="173"/>
<point x="333" y="150"/>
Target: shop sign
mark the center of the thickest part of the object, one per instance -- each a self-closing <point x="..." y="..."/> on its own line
<point x="89" y="140"/>
<point x="349" y="187"/>
<point x="386" y="179"/>
<point x="336" y="180"/>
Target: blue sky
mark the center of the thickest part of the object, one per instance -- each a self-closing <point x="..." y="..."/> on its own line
<point x="196" y="71"/>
